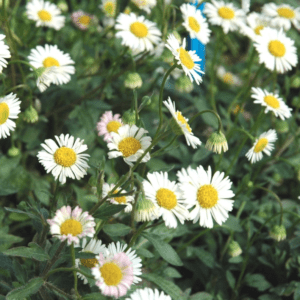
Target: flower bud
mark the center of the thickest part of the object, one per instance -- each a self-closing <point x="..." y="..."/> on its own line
<point x="30" y="115"/>
<point x="216" y="142"/>
<point x="234" y="249"/>
<point x="37" y="105"/>
<point x="13" y="151"/>
<point x="62" y="5"/>
<point x="278" y="233"/>
<point x="282" y="126"/>
<point x="133" y="81"/>
<point x="145" y="210"/>
<point x="295" y="82"/>
<point x="184" y="85"/>
<point x="129" y="117"/>
<point x="167" y="56"/>
<point x="250" y="184"/>
<point x="296" y="101"/>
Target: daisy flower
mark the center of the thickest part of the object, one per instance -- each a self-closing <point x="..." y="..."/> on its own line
<point x="167" y="196"/>
<point x="66" y="159"/>
<point x="109" y="123"/>
<point x="228" y="77"/>
<point x="125" y="200"/>
<point x="186" y="59"/>
<point x="272" y="102"/>
<point x="225" y="15"/>
<point x="263" y="144"/>
<point x="148" y="294"/>
<point x="108" y="7"/>
<point x="94" y="246"/>
<point x="195" y="23"/>
<point x="276" y="50"/>
<point x="4" y="53"/>
<point x="45" y="14"/>
<point x="145" y="5"/>
<point x="9" y="109"/>
<point x="71" y="225"/>
<point x="117" y="270"/>
<point x="182" y="125"/>
<point x="130" y="143"/>
<point x="136" y="32"/>
<point x="282" y="15"/>
<point x="51" y="56"/>
<point x="81" y="19"/>
<point x="45" y="76"/>
<point x="209" y="195"/>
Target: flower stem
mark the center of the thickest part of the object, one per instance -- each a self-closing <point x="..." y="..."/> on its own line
<point x="135" y="236"/>
<point x="74" y="266"/>
<point x="220" y="126"/>
<point x="75" y="270"/>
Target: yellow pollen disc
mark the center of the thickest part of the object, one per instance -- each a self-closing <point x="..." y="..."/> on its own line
<point x="89" y="262"/>
<point x="44" y="15"/>
<point x="186" y="58"/>
<point x="272" y="101"/>
<point x="109" y="7"/>
<point x="113" y="126"/>
<point x="276" y="48"/>
<point x="50" y="62"/>
<point x="228" y="78"/>
<point x="286" y="12"/>
<point x="71" y="226"/>
<point x="4" y="112"/>
<point x="129" y="146"/>
<point x="166" y="198"/>
<point x="182" y="120"/>
<point x="84" y="20"/>
<point x="261" y="145"/>
<point x="120" y="200"/>
<point x="65" y="156"/>
<point x="226" y="13"/>
<point x="139" y="29"/>
<point x="193" y="23"/>
<point x="207" y="196"/>
<point x="111" y="273"/>
<point x="258" y="29"/>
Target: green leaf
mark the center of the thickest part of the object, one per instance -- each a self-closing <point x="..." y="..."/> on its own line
<point x="116" y="229"/>
<point x="235" y="260"/>
<point x="205" y="257"/>
<point x="295" y="242"/>
<point x="144" y="253"/>
<point x="93" y="296"/>
<point x="18" y="211"/>
<point x="230" y="278"/>
<point x="29" y="288"/>
<point x="104" y="212"/>
<point x="257" y="281"/>
<point x="171" y="272"/>
<point x="233" y="224"/>
<point x="6" y="240"/>
<point x="164" y="249"/>
<point x="201" y="296"/>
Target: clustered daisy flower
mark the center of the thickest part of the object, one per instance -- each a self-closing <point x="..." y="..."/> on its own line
<point x="81" y="19"/>
<point x="109" y="123"/>
<point x="4" y="53"/>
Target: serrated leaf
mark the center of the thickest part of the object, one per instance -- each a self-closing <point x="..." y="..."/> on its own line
<point x="257" y="281"/>
<point x="107" y="211"/>
<point x="116" y="229"/>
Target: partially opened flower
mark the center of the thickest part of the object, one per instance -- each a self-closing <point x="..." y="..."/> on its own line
<point x="71" y="225"/>
<point x="44" y="77"/>
<point x="81" y="19"/>
<point x="228" y="77"/>
<point x="148" y="294"/>
<point x="109" y="123"/>
<point x="4" y="53"/>
<point x="145" y="5"/>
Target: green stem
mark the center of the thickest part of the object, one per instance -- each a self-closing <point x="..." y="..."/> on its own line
<point x="135" y="236"/>
<point x="53" y="287"/>
<point x="22" y="62"/>
<point x="220" y="126"/>
<point x="212" y="73"/>
<point x="245" y="132"/>
<point x="74" y="266"/>
<point x="75" y="270"/>
<point x="156" y="153"/>
<point x="55" y="195"/>
<point x="194" y="239"/>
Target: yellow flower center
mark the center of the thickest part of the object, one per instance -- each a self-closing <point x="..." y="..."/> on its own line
<point x="276" y="48"/>
<point x="65" y="156"/>
<point x="129" y="146"/>
<point x="228" y="78"/>
<point x="4" y="112"/>
<point x="84" y="20"/>
<point x="193" y="23"/>
<point x="186" y="58"/>
<point x="286" y="12"/>
<point x="111" y="273"/>
<point x="207" y="196"/>
<point x="113" y="126"/>
<point x="271" y="101"/>
<point x="71" y="226"/>
<point x="50" y="62"/>
<point x="226" y="13"/>
<point x="89" y="262"/>
<point x="139" y="29"/>
<point x="109" y="8"/>
<point x="182" y="120"/>
<point x="166" y="198"/>
<point x="258" y="29"/>
<point x="44" y="15"/>
<point x="261" y="145"/>
<point x="120" y="200"/>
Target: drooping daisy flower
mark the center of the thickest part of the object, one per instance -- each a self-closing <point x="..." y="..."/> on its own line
<point x="146" y="210"/>
<point x="51" y="56"/>
<point x="276" y="50"/>
<point x="66" y="159"/>
<point x="117" y="270"/>
<point x="109" y="123"/>
<point x="130" y="143"/>
<point x="71" y="225"/>
<point x="278" y="233"/>
<point x="133" y="81"/>
<point x="210" y="195"/>
<point x="167" y="196"/>
<point x="125" y="200"/>
<point x="195" y="23"/>
<point x="228" y="77"/>
<point x="217" y="142"/>
<point x="109" y="7"/>
<point x="44" y="77"/>
<point x="263" y="144"/>
<point x="45" y="14"/>
<point x="9" y="109"/>
<point x="136" y="32"/>
<point x="148" y="294"/>
<point x="234" y="249"/>
<point x="94" y="246"/>
<point x="4" y="53"/>
<point x="187" y="59"/>
<point x="81" y="19"/>
<point x="145" y="5"/>
<point x="225" y="15"/>
<point x="282" y="15"/>
<point x="272" y="102"/>
<point x="182" y="125"/>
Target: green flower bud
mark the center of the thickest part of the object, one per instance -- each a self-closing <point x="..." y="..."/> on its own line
<point x="133" y="81"/>
<point x="234" y="249"/>
<point x="295" y="82"/>
<point x="13" y="151"/>
<point x="30" y="115"/>
<point x="63" y="6"/>
<point x="167" y="56"/>
<point x="184" y="85"/>
<point x="278" y="233"/>
<point x="282" y="126"/>
<point x="296" y="101"/>
<point x="277" y="177"/>
<point x="216" y="142"/>
<point x="129" y="117"/>
<point x="250" y="184"/>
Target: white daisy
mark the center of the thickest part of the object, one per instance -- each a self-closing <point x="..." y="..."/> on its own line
<point x="9" y="109"/>
<point x="71" y="225"/>
<point x="246" y="6"/>
<point x="145" y="5"/>
<point x="195" y="23"/>
<point x="81" y="19"/>
<point x="182" y="125"/>
<point x="45" y="14"/>
<point x="4" y="53"/>
<point x="66" y="159"/>
<point x="228" y="77"/>
<point x="210" y="195"/>
<point x="109" y="7"/>
<point x="130" y="143"/>
<point x="148" y="294"/>
<point x="167" y="196"/>
<point x="187" y="59"/>
<point x="51" y="56"/>
<point x="276" y="50"/>
<point x="272" y="102"/>
<point x="136" y="32"/>
<point x="263" y="144"/>
<point x="225" y="15"/>
<point x="45" y="76"/>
